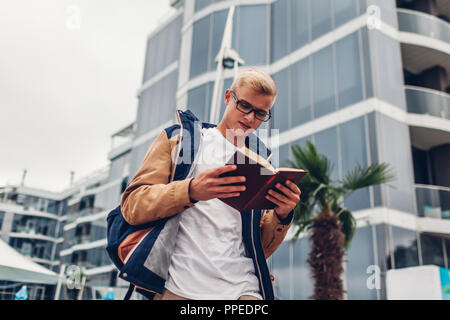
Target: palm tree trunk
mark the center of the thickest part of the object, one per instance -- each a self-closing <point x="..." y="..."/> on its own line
<point x="326" y="257"/>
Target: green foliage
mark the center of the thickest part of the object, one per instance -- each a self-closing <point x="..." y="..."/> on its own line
<point x="320" y="193"/>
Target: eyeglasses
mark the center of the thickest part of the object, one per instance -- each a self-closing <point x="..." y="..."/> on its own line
<point x="246" y="108"/>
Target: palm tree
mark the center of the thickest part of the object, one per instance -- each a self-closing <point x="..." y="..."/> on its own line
<point x="321" y="211"/>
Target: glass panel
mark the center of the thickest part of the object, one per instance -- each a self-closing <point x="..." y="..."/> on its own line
<point x="348" y="70"/>
<point x="321" y="17"/>
<point x="344" y="10"/>
<point x="427" y="25"/>
<point x="200" y="4"/>
<point x="279" y="29"/>
<point x="359" y="258"/>
<point x="252" y="34"/>
<point x="367" y="63"/>
<point x="395" y="148"/>
<point x="197" y="101"/>
<point x="427" y="101"/>
<point x="219" y="20"/>
<point x="301" y="92"/>
<point x="404" y="247"/>
<point x="323" y="82"/>
<point x="302" y="282"/>
<point x="280" y="110"/>
<point x="326" y="143"/>
<point x="353" y="151"/>
<point x="389" y="73"/>
<point x="200" y="47"/>
<point x="300" y="21"/>
<point x="281" y="272"/>
<point x="432" y="251"/>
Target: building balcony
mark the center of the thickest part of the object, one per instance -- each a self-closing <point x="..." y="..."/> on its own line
<point x="428" y="101"/>
<point x="433" y="201"/>
<point x="424" y="24"/>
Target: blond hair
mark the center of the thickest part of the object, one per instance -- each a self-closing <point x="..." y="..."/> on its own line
<point x="257" y="80"/>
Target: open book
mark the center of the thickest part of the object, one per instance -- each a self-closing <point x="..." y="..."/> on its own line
<point x="260" y="177"/>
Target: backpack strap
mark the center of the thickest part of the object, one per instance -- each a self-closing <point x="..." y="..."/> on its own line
<point x="129" y="292"/>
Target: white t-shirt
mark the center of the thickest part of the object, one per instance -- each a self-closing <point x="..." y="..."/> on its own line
<point x="209" y="260"/>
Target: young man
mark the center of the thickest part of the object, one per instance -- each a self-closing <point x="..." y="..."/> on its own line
<point x="206" y="249"/>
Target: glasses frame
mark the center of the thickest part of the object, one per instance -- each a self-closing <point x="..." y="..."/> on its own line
<point x="251" y="110"/>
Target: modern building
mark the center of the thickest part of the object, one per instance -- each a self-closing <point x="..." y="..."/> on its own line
<point x="367" y="81"/>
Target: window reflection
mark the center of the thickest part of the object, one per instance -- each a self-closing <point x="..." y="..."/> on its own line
<point x="432" y="250"/>
<point x="404" y="247"/>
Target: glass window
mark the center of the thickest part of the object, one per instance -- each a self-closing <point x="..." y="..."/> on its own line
<point x="226" y="85"/>
<point x="344" y="10"/>
<point x="323" y="82"/>
<point x="404" y="247"/>
<point x="389" y="73"/>
<point x="300" y="20"/>
<point x="373" y="145"/>
<point x="301" y="92"/>
<point x="252" y="46"/>
<point x="219" y="20"/>
<point x="280" y="110"/>
<point x="279" y="29"/>
<point x="320" y="17"/>
<point x="397" y="153"/>
<point x="168" y="103"/>
<point x="447" y="246"/>
<point x="281" y="272"/>
<point x="197" y="101"/>
<point x="200" y="47"/>
<point x="280" y="156"/>
<point x="302" y="282"/>
<point x="359" y="258"/>
<point x="366" y="63"/>
<point x="326" y="143"/>
<point x="200" y="4"/>
<point x="432" y="250"/>
<point x="353" y="151"/>
<point x="348" y="70"/>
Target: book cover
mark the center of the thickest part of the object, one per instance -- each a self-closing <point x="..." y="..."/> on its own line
<point x="260" y="177"/>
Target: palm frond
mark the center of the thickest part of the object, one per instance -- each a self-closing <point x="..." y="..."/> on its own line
<point x="361" y="177"/>
<point x="348" y="225"/>
<point x="317" y="165"/>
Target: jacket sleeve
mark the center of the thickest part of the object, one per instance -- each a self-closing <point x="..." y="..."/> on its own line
<point x="150" y="196"/>
<point x="273" y="231"/>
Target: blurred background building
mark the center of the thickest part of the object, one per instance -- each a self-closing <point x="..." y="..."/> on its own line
<point x="366" y="81"/>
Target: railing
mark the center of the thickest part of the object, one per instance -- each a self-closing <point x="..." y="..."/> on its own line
<point x="424" y="24"/>
<point x="83" y="213"/>
<point x="433" y="201"/>
<point x="427" y="101"/>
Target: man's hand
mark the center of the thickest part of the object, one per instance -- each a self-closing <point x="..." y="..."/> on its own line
<point x="287" y="200"/>
<point x="207" y="185"/>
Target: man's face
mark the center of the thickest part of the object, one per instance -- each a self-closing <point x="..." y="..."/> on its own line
<point x="239" y="122"/>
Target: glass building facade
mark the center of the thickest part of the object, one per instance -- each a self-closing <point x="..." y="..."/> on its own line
<point x="354" y="77"/>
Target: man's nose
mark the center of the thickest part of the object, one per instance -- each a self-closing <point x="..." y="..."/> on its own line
<point x="250" y="117"/>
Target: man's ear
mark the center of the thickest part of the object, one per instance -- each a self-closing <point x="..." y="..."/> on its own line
<point x="227" y="97"/>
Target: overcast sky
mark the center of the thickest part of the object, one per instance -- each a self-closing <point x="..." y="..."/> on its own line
<point x="69" y="73"/>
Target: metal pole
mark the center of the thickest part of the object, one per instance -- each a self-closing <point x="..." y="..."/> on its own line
<point x="59" y="283"/>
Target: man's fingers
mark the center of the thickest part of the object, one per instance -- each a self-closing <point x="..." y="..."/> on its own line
<point x="228" y="195"/>
<point x="227" y="168"/>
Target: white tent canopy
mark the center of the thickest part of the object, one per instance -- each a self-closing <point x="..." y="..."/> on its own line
<point x="16" y="267"/>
